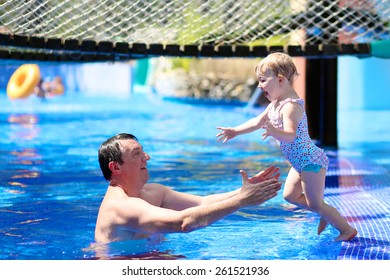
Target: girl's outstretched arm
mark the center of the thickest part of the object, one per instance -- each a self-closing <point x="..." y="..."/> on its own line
<point x="251" y="125"/>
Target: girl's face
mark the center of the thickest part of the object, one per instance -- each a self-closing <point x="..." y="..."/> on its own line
<point x="269" y="84"/>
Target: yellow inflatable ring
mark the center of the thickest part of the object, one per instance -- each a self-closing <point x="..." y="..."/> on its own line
<point x="23" y="81"/>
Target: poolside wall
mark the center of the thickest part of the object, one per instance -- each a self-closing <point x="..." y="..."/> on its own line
<point x="95" y="79"/>
<point x="363" y="100"/>
<point x="114" y="79"/>
<point x="363" y="91"/>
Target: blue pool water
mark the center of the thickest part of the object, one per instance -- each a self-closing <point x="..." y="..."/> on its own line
<point x="51" y="185"/>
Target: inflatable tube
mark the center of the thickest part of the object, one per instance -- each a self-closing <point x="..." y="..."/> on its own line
<point x="380" y="49"/>
<point x="23" y="81"/>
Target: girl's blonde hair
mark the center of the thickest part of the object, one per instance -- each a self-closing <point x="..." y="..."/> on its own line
<point x="280" y="64"/>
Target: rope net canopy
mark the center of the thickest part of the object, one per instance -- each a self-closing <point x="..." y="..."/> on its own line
<point x="122" y="29"/>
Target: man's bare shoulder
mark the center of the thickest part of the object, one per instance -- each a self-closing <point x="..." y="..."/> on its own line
<point x="154" y="186"/>
<point x="154" y="193"/>
<point x="116" y="198"/>
<point x="118" y="218"/>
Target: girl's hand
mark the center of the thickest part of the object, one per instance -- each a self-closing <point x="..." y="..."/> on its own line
<point x="264" y="120"/>
<point x="269" y="129"/>
<point x="226" y="134"/>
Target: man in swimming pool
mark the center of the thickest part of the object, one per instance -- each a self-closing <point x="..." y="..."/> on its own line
<point x="133" y="208"/>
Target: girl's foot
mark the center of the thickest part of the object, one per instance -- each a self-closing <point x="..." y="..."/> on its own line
<point x="347" y="236"/>
<point x="321" y="226"/>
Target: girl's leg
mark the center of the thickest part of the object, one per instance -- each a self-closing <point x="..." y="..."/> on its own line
<point x="313" y="185"/>
<point x="293" y="193"/>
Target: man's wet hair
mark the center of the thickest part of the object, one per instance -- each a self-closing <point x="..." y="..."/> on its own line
<point x="110" y="150"/>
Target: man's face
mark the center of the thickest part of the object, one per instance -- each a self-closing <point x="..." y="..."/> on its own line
<point x="134" y="162"/>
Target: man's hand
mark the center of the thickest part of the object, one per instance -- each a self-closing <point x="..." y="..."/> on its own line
<point x="269" y="173"/>
<point x="258" y="193"/>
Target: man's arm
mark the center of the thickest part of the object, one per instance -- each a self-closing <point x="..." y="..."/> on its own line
<point x="138" y="215"/>
<point x="179" y="201"/>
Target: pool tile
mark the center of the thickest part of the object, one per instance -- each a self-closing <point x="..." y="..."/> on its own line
<point x="360" y="190"/>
